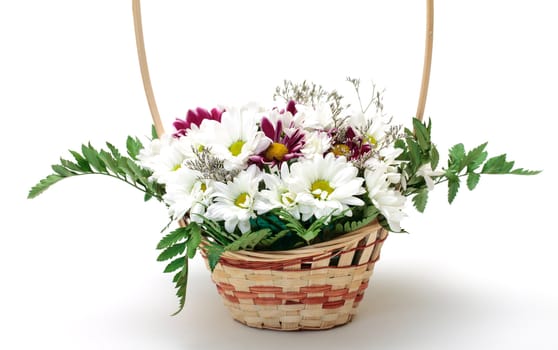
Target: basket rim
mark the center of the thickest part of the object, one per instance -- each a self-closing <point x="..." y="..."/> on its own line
<point x="342" y="242"/>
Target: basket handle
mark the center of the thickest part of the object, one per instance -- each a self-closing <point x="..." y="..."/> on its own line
<point x="136" y="9"/>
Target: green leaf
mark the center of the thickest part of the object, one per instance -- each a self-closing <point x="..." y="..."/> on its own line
<point x="475" y="157"/>
<point x="434" y="157"/>
<point x="60" y="170"/>
<point x="175" y="236"/>
<point x="415" y="153"/>
<point x="43" y="185"/>
<point x="272" y="239"/>
<point x="92" y="156"/>
<point x="172" y="251"/>
<point x="70" y="165"/>
<point x="136" y="172"/>
<point x="213" y="255"/>
<point x="103" y="162"/>
<point x="248" y="240"/>
<point x="123" y="166"/>
<point x="420" y="200"/>
<point x="456" y="157"/>
<point x="175" y="264"/>
<point x="193" y="241"/>
<point x="472" y="180"/>
<point x="82" y="162"/>
<point x="154" y="135"/>
<point x="399" y="143"/>
<point x="497" y="165"/>
<point x="115" y="152"/>
<point x="133" y="146"/>
<point x="110" y="162"/>
<point x="521" y="171"/>
<point x="453" y="188"/>
<point x="181" y="283"/>
<point x="422" y="135"/>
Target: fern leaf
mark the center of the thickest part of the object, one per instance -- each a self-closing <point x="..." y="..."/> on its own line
<point x="172" y="251"/>
<point x="175" y="236"/>
<point x="43" y="185"/>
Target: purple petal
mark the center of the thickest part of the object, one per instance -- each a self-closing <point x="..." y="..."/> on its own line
<point x="216" y="114"/>
<point x="278" y="130"/>
<point x="291" y="107"/>
<point x="268" y="129"/>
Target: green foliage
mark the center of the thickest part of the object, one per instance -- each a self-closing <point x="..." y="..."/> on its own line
<point x="108" y="162"/>
<point x="351" y="224"/>
<point x="44" y="184"/>
<point x="246" y="241"/>
<point x="133" y="146"/>
<point x="420" y="200"/>
<point x="306" y="233"/>
<point x="418" y="151"/>
<point x="466" y="164"/>
<point x="187" y="238"/>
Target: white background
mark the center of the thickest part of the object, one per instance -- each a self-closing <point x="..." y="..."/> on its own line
<point x="78" y="267"/>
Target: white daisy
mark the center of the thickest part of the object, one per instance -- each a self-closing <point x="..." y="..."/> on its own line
<point x="187" y="193"/>
<point x="325" y="185"/>
<point x="372" y="126"/>
<point x="236" y="200"/>
<point x="236" y="137"/>
<point x="316" y="143"/>
<point x="386" y="161"/>
<point x="388" y="201"/>
<point x="318" y="118"/>
<point x="163" y="157"/>
<point x="277" y="194"/>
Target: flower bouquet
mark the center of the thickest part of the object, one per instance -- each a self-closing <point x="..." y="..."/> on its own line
<point x="288" y="204"/>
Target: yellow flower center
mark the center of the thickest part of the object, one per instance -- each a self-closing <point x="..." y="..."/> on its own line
<point x="321" y="189"/>
<point x="372" y="140"/>
<point x="243" y="200"/>
<point x="176" y="167"/>
<point x="236" y="147"/>
<point x="287" y="198"/>
<point x="276" y="151"/>
<point x="203" y="187"/>
<point x="341" y="150"/>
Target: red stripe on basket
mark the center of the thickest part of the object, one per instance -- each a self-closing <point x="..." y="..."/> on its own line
<point x="267" y="301"/>
<point x="316" y="300"/>
<point x="244" y="295"/>
<point x="363" y="286"/>
<point x="337" y="292"/>
<point x="290" y="295"/>
<point x="230" y="298"/>
<point x="265" y="289"/>
<point x="333" y="304"/>
<point x="226" y="286"/>
<point x="359" y="298"/>
<point x="315" y="289"/>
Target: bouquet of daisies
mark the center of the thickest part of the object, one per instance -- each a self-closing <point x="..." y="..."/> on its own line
<point x="306" y="170"/>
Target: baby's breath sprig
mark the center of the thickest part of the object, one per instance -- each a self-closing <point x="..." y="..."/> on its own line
<point x="210" y="166"/>
<point x="309" y="93"/>
<point x="376" y="98"/>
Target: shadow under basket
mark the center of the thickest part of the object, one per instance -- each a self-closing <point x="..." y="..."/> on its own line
<point x="314" y="287"/>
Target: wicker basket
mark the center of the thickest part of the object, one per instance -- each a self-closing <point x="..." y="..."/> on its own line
<point x="314" y="287"/>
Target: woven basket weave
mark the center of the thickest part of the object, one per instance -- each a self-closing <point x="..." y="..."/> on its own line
<point x="314" y="287"/>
